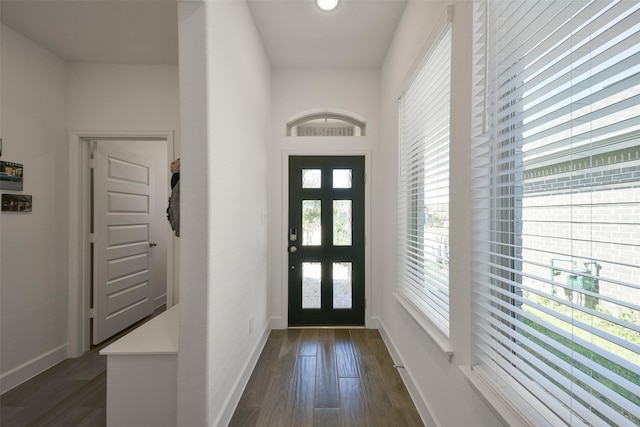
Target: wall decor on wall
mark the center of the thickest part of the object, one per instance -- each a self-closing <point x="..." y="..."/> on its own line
<point x="16" y="203"/>
<point x="11" y="175"/>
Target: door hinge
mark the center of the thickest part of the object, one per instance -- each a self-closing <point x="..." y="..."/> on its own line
<point x="92" y="238"/>
<point x="365" y="303"/>
<point x="92" y="163"/>
<point x="92" y="313"/>
<point x="365" y="178"/>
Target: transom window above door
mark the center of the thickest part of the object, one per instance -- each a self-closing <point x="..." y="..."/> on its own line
<point x="326" y="123"/>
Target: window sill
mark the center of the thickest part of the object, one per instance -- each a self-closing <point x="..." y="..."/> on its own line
<point x="486" y="392"/>
<point x="427" y="325"/>
<point x="514" y="408"/>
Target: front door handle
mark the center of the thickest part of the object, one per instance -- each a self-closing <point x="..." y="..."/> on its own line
<point x="292" y="249"/>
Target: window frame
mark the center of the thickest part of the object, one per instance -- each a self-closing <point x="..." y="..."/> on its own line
<point x="409" y="212"/>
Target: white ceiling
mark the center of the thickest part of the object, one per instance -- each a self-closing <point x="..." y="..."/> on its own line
<point x="120" y="32"/>
<point x="295" y="33"/>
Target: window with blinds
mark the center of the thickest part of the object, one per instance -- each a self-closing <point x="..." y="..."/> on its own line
<point x="423" y="193"/>
<point x="556" y="292"/>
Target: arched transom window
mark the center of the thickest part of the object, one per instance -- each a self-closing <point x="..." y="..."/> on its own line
<point x="326" y="123"/>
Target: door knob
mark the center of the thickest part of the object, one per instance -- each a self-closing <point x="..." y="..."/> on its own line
<point x="152" y="244"/>
<point x="293" y="249"/>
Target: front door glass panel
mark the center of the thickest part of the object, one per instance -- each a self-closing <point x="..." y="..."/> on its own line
<point x="342" y="297"/>
<point x="311" y="178"/>
<point x="311" y="222"/>
<point x="311" y="278"/>
<point x="342" y="222"/>
<point x="342" y="178"/>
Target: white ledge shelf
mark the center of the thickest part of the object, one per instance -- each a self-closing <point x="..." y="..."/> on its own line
<point x="158" y="336"/>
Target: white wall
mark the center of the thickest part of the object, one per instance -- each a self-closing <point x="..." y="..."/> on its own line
<point x="43" y="97"/>
<point x="240" y="98"/>
<point x="114" y="97"/>
<point x="298" y="91"/>
<point x="33" y="256"/>
<point x="447" y="397"/>
<point x="225" y="87"/>
<point x="131" y="98"/>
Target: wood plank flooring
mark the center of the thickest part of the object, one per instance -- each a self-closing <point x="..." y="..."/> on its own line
<point x="325" y="377"/>
<point x="304" y="377"/>
<point x="73" y="393"/>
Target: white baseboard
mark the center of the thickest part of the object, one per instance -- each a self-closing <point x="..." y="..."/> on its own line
<point x="33" y="367"/>
<point x="278" y="323"/>
<point x="160" y="301"/>
<point x="424" y="409"/>
<point x="374" y="322"/>
<point x="243" y="379"/>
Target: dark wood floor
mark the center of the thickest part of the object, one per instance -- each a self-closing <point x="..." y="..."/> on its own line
<point x="73" y="393"/>
<point x="304" y="377"/>
<point x="325" y="377"/>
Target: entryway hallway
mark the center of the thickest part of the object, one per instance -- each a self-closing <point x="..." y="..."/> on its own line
<point x="325" y="377"/>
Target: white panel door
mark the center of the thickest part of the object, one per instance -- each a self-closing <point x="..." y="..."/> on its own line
<point x="122" y="212"/>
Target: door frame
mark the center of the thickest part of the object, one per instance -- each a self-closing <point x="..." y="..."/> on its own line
<point x="284" y="225"/>
<point x="78" y="330"/>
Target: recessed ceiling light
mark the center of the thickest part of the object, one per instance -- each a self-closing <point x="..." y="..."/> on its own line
<point x="327" y="4"/>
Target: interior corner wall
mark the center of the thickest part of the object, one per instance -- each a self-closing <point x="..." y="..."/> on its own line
<point x="239" y="115"/>
<point x="297" y="91"/>
<point x="224" y="72"/>
<point x="194" y="368"/>
<point x="33" y="255"/>
<point x="440" y="389"/>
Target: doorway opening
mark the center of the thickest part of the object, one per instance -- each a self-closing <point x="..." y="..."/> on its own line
<point x="141" y="276"/>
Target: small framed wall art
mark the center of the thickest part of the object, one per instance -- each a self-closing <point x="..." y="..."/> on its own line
<point x="16" y="203"/>
<point x="11" y="176"/>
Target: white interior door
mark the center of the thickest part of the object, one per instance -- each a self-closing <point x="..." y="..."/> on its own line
<point x="122" y="213"/>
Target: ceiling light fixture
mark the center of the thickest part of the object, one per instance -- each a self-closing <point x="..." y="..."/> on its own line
<point x="327" y="5"/>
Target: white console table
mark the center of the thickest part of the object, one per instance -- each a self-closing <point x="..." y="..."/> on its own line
<point x="142" y="370"/>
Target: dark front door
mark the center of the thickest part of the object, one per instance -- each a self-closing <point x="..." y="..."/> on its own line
<point x="326" y="240"/>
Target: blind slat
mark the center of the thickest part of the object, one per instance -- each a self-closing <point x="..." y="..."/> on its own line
<point x="556" y="184"/>
<point x="423" y="187"/>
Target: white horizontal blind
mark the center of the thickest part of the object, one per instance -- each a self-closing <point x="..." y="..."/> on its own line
<point x="556" y="303"/>
<point x="423" y="193"/>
